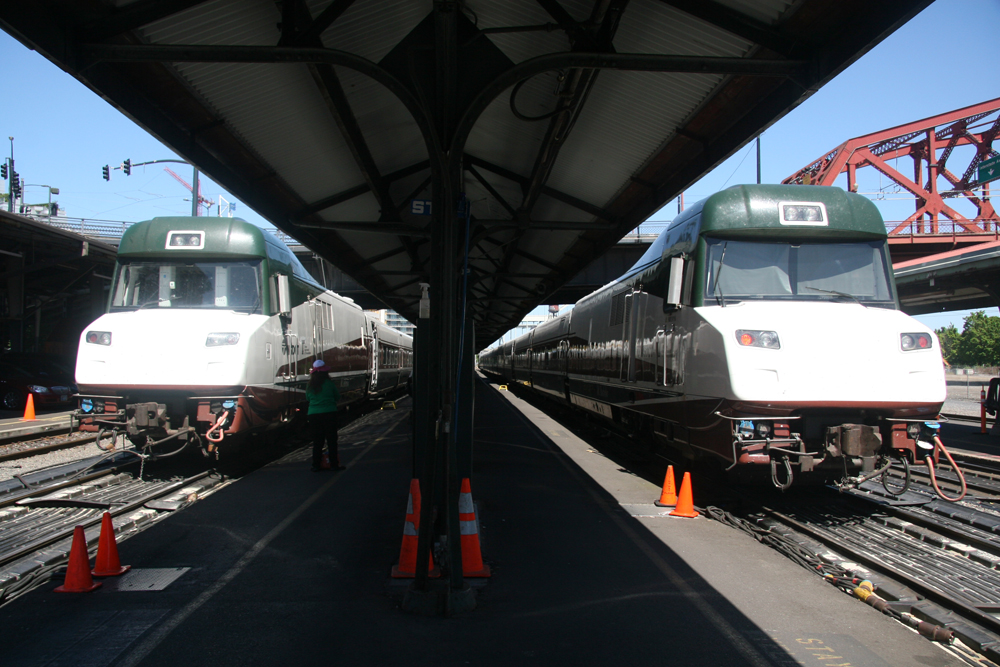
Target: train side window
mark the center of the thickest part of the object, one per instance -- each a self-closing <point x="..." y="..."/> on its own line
<point x="243" y="288"/>
<point x="688" y="283"/>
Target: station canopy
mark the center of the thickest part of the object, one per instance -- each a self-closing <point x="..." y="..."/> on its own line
<point x="357" y="126"/>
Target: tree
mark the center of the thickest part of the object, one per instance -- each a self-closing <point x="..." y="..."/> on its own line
<point x="950" y="340"/>
<point x="980" y="341"/>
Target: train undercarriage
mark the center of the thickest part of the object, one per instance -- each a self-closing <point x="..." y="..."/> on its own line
<point x="209" y="423"/>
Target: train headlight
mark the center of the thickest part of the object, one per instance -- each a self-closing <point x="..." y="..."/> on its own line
<point x="753" y="338"/>
<point x="186" y="240"/>
<point x="217" y="339"/>
<point x="802" y="213"/>
<point x="914" y="341"/>
<point x="763" y="430"/>
<point x="99" y="337"/>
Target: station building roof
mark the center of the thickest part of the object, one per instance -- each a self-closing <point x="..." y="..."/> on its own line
<point x="565" y="122"/>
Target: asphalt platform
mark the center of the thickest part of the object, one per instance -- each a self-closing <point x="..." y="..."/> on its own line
<point x="290" y="567"/>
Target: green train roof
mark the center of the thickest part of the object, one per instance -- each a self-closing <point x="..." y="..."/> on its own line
<point x="233" y="238"/>
<point x="748" y="210"/>
<point x="223" y="236"/>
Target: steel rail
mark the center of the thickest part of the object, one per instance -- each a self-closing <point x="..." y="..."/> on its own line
<point x="948" y="477"/>
<point x="131" y="506"/>
<point x="31" y="491"/>
<point x="969" y="612"/>
<point x="43" y="431"/>
<point x="35" y="451"/>
<point x="952" y="532"/>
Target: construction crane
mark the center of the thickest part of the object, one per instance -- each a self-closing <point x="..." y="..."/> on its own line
<point x="197" y="199"/>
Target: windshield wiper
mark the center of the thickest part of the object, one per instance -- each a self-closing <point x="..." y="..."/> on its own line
<point x="843" y="294"/>
<point x="150" y="303"/>
<point x="718" y="276"/>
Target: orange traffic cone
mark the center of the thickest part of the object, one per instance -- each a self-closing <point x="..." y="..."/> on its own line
<point x="685" y="504"/>
<point x="78" y="579"/>
<point x="407" y="567"/>
<point x="668" y="497"/>
<point x="472" y="559"/>
<point x="29" y="409"/>
<point x="107" y="563"/>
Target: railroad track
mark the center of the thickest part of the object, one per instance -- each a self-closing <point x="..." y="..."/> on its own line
<point x="933" y="562"/>
<point x="39" y="510"/>
<point x="36" y="523"/>
<point x="33" y="446"/>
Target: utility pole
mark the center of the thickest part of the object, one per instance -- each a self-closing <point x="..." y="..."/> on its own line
<point x="11" y="177"/>
<point x="195" y="194"/>
<point x="758" y="159"/>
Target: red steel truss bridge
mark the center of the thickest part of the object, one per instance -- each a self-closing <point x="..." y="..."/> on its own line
<point x="935" y="183"/>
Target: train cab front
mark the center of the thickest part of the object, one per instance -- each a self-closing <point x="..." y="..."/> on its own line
<point x="823" y="389"/>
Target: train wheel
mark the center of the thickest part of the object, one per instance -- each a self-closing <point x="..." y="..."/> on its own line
<point x="110" y="444"/>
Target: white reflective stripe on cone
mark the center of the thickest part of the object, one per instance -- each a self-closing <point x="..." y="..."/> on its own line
<point x="465" y="503"/>
<point x="409" y="529"/>
<point x="409" y="504"/>
<point x="469" y="527"/>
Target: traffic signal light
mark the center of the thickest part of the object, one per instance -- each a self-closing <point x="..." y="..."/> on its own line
<point x="127" y="167"/>
<point x="3" y="170"/>
<point x="15" y="184"/>
<point x="107" y="173"/>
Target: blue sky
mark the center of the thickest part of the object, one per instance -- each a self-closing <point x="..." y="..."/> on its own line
<point x="941" y="60"/>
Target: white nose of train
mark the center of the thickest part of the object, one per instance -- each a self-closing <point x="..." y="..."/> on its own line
<point x="828" y="353"/>
<point x="166" y="347"/>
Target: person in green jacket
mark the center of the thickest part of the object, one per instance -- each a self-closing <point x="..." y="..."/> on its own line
<point x="322" y="394"/>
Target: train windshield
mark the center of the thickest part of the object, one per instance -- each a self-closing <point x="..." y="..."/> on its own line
<point x="225" y="285"/>
<point x="741" y="270"/>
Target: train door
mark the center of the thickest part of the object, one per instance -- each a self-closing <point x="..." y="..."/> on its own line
<point x="286" y="363"/>
<point x="676" y="332"/>
<point x="374" y="358"/>
<point x="674" y="350"/>
<point x="625" y="366"/>
<point x="316" y="308"/>
<point x="634" y="327"/>
<point x="659" y="354"/>
<point x="530" y="361"/>
<point x="299" y="339"/>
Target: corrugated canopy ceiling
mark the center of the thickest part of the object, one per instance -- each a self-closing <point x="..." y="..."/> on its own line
<point x="564" y="122"/>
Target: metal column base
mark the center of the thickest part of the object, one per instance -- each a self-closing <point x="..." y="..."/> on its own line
<point x="439" y="599"/>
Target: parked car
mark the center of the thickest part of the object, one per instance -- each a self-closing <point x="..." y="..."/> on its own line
<point x="49" y="382"/>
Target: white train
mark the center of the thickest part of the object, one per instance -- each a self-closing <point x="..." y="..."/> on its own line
<point x="761" y="330"/>
<point x="212" y="327"/>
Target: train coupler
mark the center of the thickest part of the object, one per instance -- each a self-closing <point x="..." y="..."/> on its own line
<point x="853" y="441"/>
